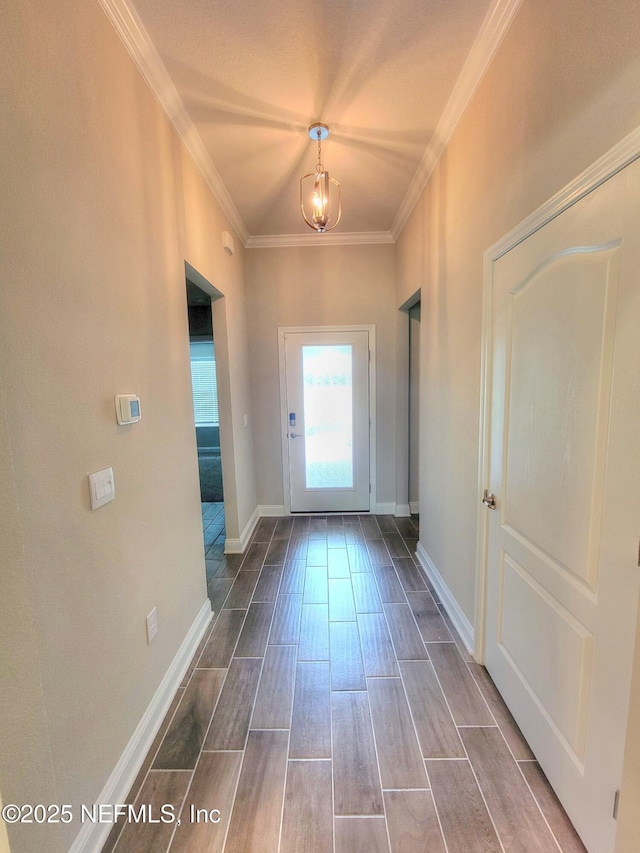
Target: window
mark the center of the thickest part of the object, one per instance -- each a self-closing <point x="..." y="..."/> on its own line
<point x="203" y="382"/>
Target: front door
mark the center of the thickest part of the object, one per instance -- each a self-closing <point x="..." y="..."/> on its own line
<point x="327" y="420"/>
<point x="563" y="576"/>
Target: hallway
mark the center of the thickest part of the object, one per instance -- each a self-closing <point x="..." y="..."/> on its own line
<point x="331" y="707"/>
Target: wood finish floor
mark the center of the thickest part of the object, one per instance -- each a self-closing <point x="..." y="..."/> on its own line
<point x="331" y="708"/>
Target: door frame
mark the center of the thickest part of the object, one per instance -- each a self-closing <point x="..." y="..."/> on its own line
<point x="227" y="453"/>
<point x="284" y="330"/>
<point x="616" y="159"/>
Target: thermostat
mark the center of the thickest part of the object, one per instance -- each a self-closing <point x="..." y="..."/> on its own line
<point x="128" y="408"/>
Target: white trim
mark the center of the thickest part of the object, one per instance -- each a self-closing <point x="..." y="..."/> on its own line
<point x="279" y="510"/>
<point x="454" y="611"/>
<point x="137" y="41"/>
<point x="272" y="510"/>
<point x="482" y="519"/>
<point x="414" y="506"/>
<point x="605" y="167"/>
<point x="373" y="419"/>
<point x="384" y="509"/>
<point x="340" y="238"/>
<point x="402" y="511"/>
<point x="92" y="836"/>
<point x="282" y="331"/>
<point x="494" y="27"/>
<point x="613" y="161"/>
<point x="237" y="546"/>
<point x="282" y="370"/>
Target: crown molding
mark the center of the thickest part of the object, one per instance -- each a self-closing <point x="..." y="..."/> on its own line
<point x="131" y="30"/>
<point x="344" y="238"/>
<point x="494" y="27"/>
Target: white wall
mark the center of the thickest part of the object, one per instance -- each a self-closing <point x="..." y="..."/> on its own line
<point x="101" y="208"/>
<point x="329" y="285"/>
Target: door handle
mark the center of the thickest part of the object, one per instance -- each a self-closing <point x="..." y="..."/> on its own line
<point x="295" y="435"/>
<point x="489" y="499"/>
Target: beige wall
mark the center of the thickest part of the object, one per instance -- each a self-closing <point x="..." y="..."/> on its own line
<point x="562" y="90"/>
<point x="101" y="207"/>
<point x="330" y="285"/>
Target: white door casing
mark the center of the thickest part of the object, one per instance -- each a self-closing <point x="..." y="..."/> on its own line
<point x="564" y="464"/>
<point x="312" y="479"/>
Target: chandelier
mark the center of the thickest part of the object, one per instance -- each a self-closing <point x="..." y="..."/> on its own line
<point x="320" y="204"/>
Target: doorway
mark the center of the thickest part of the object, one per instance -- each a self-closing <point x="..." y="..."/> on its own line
<point x="327" y="419"/>
<point x="206" y="420"/>
<point x="414" y="409"/>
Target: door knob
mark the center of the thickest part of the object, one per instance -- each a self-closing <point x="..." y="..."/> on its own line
<point x="489" y="499"/>
<point x="295" y="435"/>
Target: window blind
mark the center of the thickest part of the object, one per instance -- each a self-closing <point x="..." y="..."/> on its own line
<point x="203" y="383"/>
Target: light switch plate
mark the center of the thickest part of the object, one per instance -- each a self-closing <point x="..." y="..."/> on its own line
<point x="102" y="487"/>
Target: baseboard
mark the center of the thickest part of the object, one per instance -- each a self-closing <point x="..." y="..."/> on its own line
<point x="272" y="511"/>
<point x="279" y="510"/>
<point x="237" y="546"/>
<point x="460" y="621"/>
<point x="92" y="836"/>
<point x="414" y="507"/>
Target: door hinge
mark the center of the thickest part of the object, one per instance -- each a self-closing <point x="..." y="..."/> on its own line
<point x="639" y="552"/>
<point x="369" y="488"/>
<point x="616" y="802"/>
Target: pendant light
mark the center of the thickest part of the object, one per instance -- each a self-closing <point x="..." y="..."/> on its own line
<point x="320" y="204"/>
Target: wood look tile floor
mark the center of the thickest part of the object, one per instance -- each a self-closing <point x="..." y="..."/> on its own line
<point x="330" y="709"/>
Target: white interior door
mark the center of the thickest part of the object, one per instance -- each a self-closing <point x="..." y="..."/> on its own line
<point x="562" y="582"/>
<point x="327" y="394"/>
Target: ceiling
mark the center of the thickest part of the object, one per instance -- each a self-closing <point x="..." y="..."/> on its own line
<point x="243" y="79"/>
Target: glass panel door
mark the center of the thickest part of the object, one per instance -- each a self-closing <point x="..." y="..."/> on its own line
<point x="327" y="390"/>
<point x="327" y="373"/>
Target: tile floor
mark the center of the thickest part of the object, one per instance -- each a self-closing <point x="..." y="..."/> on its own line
<point x="214" y="531"/>
<point x="331" y="708"/>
